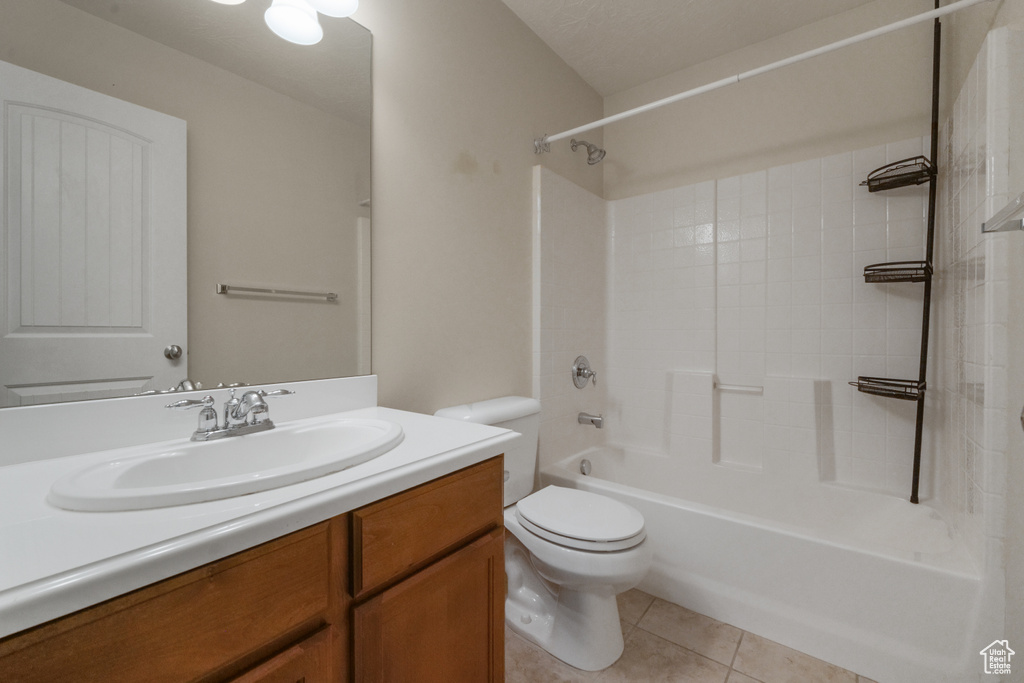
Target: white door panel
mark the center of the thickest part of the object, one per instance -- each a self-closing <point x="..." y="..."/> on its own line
<point x="93" y="243"/>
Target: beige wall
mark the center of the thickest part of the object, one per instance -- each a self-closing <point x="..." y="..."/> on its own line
<point x="461" y="88"/>
<point x="963" y="34"/>
<point x="273" y="192"/>
<point x="863" y="95"/>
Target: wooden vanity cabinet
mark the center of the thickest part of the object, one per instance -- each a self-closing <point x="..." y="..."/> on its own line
<point x="209" y="624"/>
<point x="444" y="624"/>
<point x="428" y="577"/>
<point x="426" y="566"/>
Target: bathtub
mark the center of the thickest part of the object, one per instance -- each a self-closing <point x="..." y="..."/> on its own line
<point x="866" y="581"/>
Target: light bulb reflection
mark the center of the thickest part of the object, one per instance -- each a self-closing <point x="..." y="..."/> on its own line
<point x="295" y="21"/>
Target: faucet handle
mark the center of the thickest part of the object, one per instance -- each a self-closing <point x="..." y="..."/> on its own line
<point x="231" y="406"/>
<point x="261" y="414"/>
<point x="189" y="403"/>
<point x="207" y="416"/>
<point x="582" y="372"/>
<point x="275" y="393"/>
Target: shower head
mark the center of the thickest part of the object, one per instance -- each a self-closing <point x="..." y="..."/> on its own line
<point x="594" y="153"/>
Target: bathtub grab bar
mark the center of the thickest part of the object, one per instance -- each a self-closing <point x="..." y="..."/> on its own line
<point x="740" y="388"/>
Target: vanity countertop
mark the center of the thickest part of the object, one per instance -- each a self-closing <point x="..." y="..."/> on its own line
<point x="54" y="561"/>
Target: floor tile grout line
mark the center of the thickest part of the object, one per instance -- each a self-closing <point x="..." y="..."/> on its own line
<point x="694" y="652"/>
<point x="736" y="652"/>
<point x="646" y="610"/>
<point x="631" y="633"/>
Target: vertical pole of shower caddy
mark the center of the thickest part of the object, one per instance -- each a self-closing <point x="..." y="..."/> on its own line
<point x="933" y="186"/>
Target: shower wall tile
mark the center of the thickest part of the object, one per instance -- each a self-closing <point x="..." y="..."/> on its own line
<point x="691" y="417"/>
<point x="570" y="311"/>
<point x="742" y="206"/>
<point x="971" y="330"/>
<point x="662" y="315"/>
<point x="759" y="278"/>
<point x="820" y="320"/>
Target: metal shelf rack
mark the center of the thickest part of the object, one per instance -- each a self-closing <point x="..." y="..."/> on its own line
<point x="905" y="389"/>
<point x="912" y="171"/>
<point x="898" y="271"/>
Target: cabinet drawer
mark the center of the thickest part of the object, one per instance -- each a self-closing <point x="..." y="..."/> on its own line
<point x="308" y="661"/>
<point x="188" y="626"/>
<point x="395" y="536"/>
<point x="444" y="624"/>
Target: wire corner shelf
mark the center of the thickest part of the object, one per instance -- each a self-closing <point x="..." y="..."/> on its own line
<point x="904" y="389"/>
<point x="898" y="271"/>
<point x="910" y="171"/>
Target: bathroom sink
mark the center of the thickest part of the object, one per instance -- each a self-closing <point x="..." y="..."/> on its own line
<point x="180" y="472"/>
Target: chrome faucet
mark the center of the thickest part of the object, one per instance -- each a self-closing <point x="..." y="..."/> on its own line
<point x="252" y="409"/>
<point x="588" y="419"/>
<point x="245" y="415"/>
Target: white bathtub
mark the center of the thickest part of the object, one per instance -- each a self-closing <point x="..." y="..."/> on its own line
<point x="866" y="581"/>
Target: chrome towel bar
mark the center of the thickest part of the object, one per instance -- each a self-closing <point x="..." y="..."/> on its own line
<point x="228" y="289"/>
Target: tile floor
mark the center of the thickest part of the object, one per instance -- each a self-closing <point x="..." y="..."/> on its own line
<point x="666" y="643"/>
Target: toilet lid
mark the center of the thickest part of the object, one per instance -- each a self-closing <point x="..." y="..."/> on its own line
<point x="581" y="516"/>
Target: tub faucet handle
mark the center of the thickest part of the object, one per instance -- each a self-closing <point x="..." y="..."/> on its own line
<point x="582" y="372"/>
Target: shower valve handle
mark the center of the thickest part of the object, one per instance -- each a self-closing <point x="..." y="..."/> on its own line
<point x="582" y="372"/>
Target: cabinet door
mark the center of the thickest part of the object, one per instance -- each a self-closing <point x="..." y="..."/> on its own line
<point x="444" y="624"/>
<point x="306" y="662"/>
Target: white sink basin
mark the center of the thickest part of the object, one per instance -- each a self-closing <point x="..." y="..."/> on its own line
<point x="180" y="472"/>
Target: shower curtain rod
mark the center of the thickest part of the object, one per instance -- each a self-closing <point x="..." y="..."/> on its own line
<point x="542" y="144"/>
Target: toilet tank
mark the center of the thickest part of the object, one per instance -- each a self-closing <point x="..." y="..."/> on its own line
<point x="520" y="414"/>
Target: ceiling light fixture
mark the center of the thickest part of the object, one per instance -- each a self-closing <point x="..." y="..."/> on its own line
<point x="335" y="8"/>
<point x="295" y="21"/>
<point x="230" y="2"/>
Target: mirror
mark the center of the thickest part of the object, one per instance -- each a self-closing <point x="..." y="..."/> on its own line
<point x="278" y="186"/>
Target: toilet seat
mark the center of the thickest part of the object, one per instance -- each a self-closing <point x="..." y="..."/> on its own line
<point x="581" y="519"/>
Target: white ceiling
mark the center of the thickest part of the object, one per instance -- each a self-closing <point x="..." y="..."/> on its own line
<point x="333" y="75"/>
<point x="618" y="44"/>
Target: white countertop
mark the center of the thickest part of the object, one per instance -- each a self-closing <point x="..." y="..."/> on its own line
<point x="54" y="561"/>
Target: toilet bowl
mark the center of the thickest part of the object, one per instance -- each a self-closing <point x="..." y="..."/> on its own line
<point x="563" y="597"/>
<point x="568" y="553"/>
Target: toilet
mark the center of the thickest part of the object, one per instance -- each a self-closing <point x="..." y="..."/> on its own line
<point x="568" y="553"/>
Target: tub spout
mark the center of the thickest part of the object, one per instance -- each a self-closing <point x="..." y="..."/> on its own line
<point x="588" y="419"/>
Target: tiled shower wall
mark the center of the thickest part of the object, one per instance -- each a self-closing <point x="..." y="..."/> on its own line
<point x="974" y="295"/>
<point x="662" y="308"/>
<point x="758" y="280"/>
<point x="569" y="311"/>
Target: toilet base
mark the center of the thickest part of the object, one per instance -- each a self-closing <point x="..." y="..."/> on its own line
<point x="580" y="628"/>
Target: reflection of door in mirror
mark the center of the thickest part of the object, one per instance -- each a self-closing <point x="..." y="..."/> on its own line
<point x="93" y="243"/>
